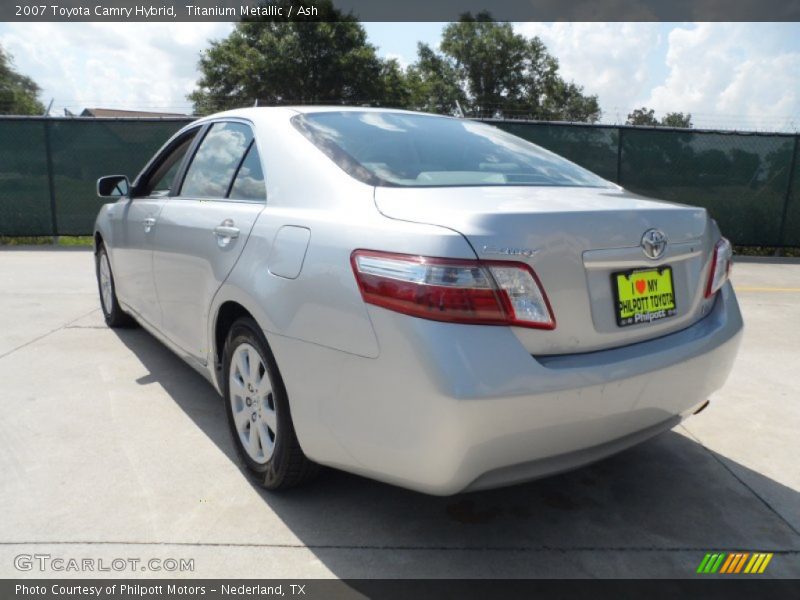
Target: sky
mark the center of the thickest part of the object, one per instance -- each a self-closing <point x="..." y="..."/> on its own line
<point x="742" y="76"/>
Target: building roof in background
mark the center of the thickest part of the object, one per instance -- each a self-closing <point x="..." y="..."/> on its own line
<point x="113" y="112"/>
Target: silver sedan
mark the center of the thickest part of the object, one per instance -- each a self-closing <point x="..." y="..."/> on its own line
<point x="423" y="300"/>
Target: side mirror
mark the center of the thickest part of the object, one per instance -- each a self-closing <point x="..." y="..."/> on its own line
<point x="113" y="186"/>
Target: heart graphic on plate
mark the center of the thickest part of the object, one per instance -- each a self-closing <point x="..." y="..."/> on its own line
<point x="640" y="285"/>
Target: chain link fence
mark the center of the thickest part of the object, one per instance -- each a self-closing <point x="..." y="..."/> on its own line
<point x="49" y="167"/>
<point x="749" y="182"/>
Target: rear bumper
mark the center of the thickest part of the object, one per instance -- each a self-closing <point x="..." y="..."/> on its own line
<point x="448" y="407"/>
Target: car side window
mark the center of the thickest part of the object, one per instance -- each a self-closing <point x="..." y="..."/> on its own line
<point x="160" y="180"/>
<point x="215" y="163"/>
<point x="249" y="181"/>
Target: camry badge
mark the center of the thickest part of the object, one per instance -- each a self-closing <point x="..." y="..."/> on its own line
<point x="507" y="251"/>
<point x="654" y="243"/>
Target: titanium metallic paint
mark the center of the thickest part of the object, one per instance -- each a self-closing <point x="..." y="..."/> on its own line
<point x="432" y="406"/>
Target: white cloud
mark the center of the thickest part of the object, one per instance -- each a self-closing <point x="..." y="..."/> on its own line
<point x="728" y="75"/>
<point x="147" y="66"/>
<point x="733" y="75"/>
<point x="612" y="60"/>
<point x="402" y="61"/>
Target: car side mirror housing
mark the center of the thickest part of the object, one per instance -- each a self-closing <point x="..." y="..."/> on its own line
<point x="113" y="186"/>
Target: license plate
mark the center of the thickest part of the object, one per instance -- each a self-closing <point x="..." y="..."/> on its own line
<point x="643" y="295"/>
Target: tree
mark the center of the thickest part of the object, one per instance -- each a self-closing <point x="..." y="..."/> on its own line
<point x="493" y="71"/>
<point x="567" y="102"/>
<point x="483" y="67"/>
<point x="677" y="119"/>
<point x="642" y="116"/>
<point x="489" y="60"/>
<point x="19" y="94"/>
<point x="394" y="89"/>
<point x="433" y="83"/>
<point x="646" y="117"/>
<point x="321" y="59"/>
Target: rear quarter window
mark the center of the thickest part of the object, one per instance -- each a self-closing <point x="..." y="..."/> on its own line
<point x="249" y="181"/>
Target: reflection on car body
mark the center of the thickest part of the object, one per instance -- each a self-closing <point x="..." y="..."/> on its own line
<point x="424" y="300"/>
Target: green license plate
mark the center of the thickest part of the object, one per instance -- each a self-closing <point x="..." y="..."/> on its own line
<point x="643" y="295"/>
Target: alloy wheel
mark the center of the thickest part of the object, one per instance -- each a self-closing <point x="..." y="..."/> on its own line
<point x="252" y="403"/>
<point x="106" y="290"/>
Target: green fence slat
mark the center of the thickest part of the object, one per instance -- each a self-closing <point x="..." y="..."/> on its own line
<point x="24" y="194"/>
<point x="85" y="149"/>
<point x="741" y="180"/>
<point x="594" y="148"/>
<point x="744" y="180"/>
<point x="791" y="226"/>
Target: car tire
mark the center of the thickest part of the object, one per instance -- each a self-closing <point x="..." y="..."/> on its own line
<point x="112" y="311"/>
<point x="258" y="411"/>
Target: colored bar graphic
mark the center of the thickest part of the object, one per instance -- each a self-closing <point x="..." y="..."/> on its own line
<point x="717" y="563"/>
<point x="734" y="562"/>
<point x="703" y="563"/>
<point x="708" y="562"/>
<point x="740" y="564"/>
<point x="730" y="564"/>
<point x="754" y="563"/>
<point x="727" y="564"/>
<point x="765" y="563"/>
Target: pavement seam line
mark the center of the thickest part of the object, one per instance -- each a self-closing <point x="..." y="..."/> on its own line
<point x="740" y="480"/>
<point x="44" y="335"/>
<point x="766" y="289"/>
<point x="565" y="549"/>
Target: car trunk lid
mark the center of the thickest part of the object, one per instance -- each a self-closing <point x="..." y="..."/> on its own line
<point x="576" y="239"/>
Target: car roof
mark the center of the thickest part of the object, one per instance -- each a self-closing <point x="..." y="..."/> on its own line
<point x="333" y="108"/>
<point x="254" y="112"/>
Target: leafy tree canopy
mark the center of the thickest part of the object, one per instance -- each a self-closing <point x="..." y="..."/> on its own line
<point x="482" y="68"/>
<point x="642" y="116"/>
<point x="646" y="117"/>
<point x="677" y="119"/>
<point x="19" y="94"/>
<point x="433" y="83"/>
<point x="493" y="71"/>
<point x="325" y="59"/>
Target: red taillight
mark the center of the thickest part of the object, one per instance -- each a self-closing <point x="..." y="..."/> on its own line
<point x="453" y="290"/>
<point x="721" y="261"/>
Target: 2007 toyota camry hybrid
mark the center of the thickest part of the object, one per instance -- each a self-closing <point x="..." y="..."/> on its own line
<point x="424" y="300"/>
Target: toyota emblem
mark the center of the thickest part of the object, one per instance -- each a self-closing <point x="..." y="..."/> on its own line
<point x="654" y="243"/>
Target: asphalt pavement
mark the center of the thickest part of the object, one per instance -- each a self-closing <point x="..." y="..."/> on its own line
<point x="112" y="448"/>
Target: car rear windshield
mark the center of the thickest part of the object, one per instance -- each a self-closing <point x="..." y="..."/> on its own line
<point x="406" y="149"/>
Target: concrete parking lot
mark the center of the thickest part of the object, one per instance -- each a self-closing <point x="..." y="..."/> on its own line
<point x="111" y="447"/>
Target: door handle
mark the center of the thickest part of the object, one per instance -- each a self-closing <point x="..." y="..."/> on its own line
<point x="149" y="222"/>
<point x="225" y="232"/>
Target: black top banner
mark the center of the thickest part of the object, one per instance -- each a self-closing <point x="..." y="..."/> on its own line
<point x="399" y="10"/>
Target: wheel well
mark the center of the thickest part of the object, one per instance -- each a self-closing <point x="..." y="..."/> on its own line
<point x="98" y="240"/>
<point x="226" y="315"/>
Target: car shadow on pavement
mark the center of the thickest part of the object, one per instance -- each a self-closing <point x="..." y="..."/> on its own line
<point x="668" y="500"/>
